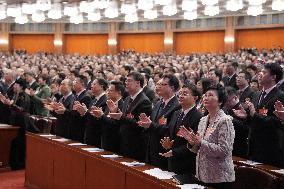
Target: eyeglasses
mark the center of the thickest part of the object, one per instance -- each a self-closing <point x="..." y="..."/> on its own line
<point x="184" y="94"/>
<point x="162" y="84"/>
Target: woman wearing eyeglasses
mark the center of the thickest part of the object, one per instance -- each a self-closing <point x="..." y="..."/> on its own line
<point x="213" y="142"/>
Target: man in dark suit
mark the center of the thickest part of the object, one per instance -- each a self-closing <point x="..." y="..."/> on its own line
<point x="132" y="137"/>
<point x="244" y="92"/>
<point x="65" y="103"/>
<point x="93" y="131"/>
<point x="77" y="126"/>
<point x="110" y="128"/>
<point x="230" y="69"/>
<point x="180" y="159"/>
<point x="147" y="90"/>
<point x="266" y="135"/>
<point x="161" y="116"/>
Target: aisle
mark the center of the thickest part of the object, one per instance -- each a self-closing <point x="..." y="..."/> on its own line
<point x="12" y="180"/>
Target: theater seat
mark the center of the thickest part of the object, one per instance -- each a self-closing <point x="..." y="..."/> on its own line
<point x="248" y="178"/>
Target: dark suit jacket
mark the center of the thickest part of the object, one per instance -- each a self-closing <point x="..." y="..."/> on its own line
<point x="281" y="87"/>
<point x="150" y="94"/>
<point x="230" y="81"/>
<point x="132" y="136"/>
<point x="156" y="132"/>
<point x="110" y="131"/>
<point x="77" y="125"/>
<point x="63" y="121"/>
<point x="266" y="134"/>
<point x="93" y="129"/>
<point x="248" y="93"/>
<point x="183" y="160"/>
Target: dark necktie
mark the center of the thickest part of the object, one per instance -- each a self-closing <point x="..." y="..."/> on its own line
<point x="161" y="109"/>
<point x="129" y="105"/>
<point x="263" y="93"/>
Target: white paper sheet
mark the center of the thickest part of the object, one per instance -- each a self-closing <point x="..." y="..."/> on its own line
<point x="281" y="171"/>
<point x="191" y="186"/>
<point x="133" y="163"/>
<point x="249" y="162"/>
<point x="77" y="144"/>
<point x="61" y="139"/>
<point x="160" y="174"/>
<point x="5" y="125"/>
<point x="111" y="156"/>
<point x="47" y="135"/>
<point x="93" y="149"/>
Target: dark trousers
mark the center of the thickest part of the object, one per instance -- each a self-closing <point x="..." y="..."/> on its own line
<point x="222" y="185"/>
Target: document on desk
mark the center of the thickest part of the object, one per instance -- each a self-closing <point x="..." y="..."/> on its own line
<point x="47" y="135"/>
<point x="93" y="149"/>
<point x="281" y="171"/>
<point x="77" y="144"/>
<point x="160" y="174"/>
<point x="5" y="125"/>
<point x="191" y="186"/>
<point x="61" y="139"/>
<point x="133" y="163"/>
<point x="250" y="162"/>
<point x="112" y="156"/>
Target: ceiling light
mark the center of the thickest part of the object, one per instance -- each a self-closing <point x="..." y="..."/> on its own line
<point x="209" y="2"/>
<point x="190" y="15"/>
<point x="55" y="12"/>
<point x="112" y="10"/>
<point x="145" y="4"/>
<point x="163" y="2"/>
<point x="94" y="16"/>
<point x="14" y="11"/>
<point x="170" y="9"/>
<point x="28" y="8"/>
<point x="127" y="8"/>
<point x="38" y="16"/>
<point x="43" y="5"/>
<point x="255" y="10"/>
<point x="211" y="10"/>
<point x="77" y="19"/>
<point x="150" y="14"/>
<point x="71" y="10"/>
<point x="103" y="4"/>
<point x="22" y="19"/>
<point x="189" y="5"/>
<point x="234" y="5"/>
<point x="278" y="5"/>
<point x="2" y="12"/>
<point x="256" y="2"/>
<point x="131" y="18"/>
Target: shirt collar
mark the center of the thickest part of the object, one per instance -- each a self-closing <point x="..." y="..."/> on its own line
<point x="167" y="101"/>
<point x="187" y="110"/>
<point x="135" y="95"/>
<point x="280" y="82"/>
<point x="66" y="96"/>
<point x="98" y="97"/>
<point x="269" y="89"/>
<point x="79" y="93"/>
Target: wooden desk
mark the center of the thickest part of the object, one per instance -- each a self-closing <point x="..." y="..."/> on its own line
<point x="7" y="134"/>
<point x="54" y="165"/>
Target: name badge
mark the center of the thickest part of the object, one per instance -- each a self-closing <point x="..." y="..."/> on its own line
<point x="130" y="116"/>
<point x="263" y="111"/>
<point x="162" y="121"/>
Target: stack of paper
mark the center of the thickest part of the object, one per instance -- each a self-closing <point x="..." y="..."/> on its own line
<point x="191" y="186"/>
<point x="77" y="144"/>
<point x="5" y="125"/>
<point x="93" y="149"/>
<point x="61" y="139"/>
<point x="281" y="171"/>
<point x="47" y="135"/>
<point x="249" y="162"/>
<point x="111" y="156"/>
<point x="133" y="163"/>
<point x="160" y="174"/>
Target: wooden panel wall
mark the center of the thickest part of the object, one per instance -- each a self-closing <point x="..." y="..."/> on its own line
<point x="146" y="42"/>
<point x="32" y="42"/>
<point x="260" y="38"/>
<point x="86" y="43"/>
<point x="199" y="41"/>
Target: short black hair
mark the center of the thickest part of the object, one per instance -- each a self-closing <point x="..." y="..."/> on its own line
<point x="205" y="84"/>
<point x="217" y="72"/>
<point x="137" y="77"/>
<point x="193" y="90"/>
<point x="83" y="80"/>
<point x="247" y="75"/>
<point x="173" y="81"/>
<point x="274" y="69"/>
<point x="118" y="85"/>
<point x="44" y="77"/>
<point x="103" y="83"/>
<point x="221" y="93"/>
<point x="253" y="67"/>
<point x="231" y="91"/>
<point x="128" y="68"/>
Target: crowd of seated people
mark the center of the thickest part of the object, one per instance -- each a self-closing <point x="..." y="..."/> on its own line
<point x="184" y="113"/>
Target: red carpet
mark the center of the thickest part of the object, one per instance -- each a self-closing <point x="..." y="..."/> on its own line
<point x="12" y="180"/>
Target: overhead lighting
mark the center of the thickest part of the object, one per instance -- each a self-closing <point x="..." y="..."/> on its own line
<point x="168" y="41"/>
<point x="58" y="42"/>
<point x="4" y="42"/>
<point x="209" y="2"/>
<point x="70" y="10"/>
<point x="128" y="8"/>
<point x="163" y="2"/>
<point x="211" y="10"/>
<point x="77" y="19"/>
<point x="189" y="5"/>
<point x="43" y="5"/>
<point x="55" y="12"/>
<point x="255" y="10"/>
<point x="150" y="14"/>
<point x="131" y="18"/>
<point x="229" y="39"/>
<point x="278" y="5"/>
<point x="38" y="16"/>
<point x="103" y="4"/>
<point x="22" y="19"/>
<point x="111" y="42"/>
<point x="256" y="2"/>
<point x="14" y="11"/>
<point x="170" y="9"/>
<point x="145" y="4"/>
<point x="84" y="6"/>
<point x="2" y="12"/>
<point x="94" y="16"/>
<point x="234" y="5"/>
<point x="28" y="8"/>
<point x="190" y="15"/>
<point x="112" y="10"/>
